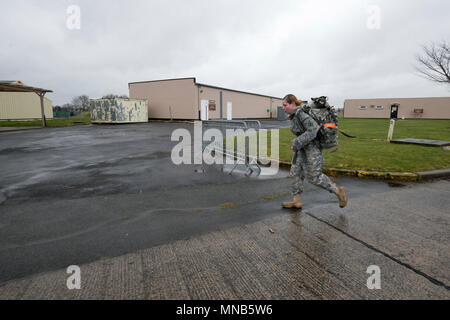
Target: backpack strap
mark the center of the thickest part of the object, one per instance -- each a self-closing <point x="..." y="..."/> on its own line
<point x="315" y="119"/>
<point x="346" y="134"/>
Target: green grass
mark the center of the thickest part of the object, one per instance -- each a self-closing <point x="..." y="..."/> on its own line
<point x="370" y="151"/>
<point x="83" y="119"/>
<point x="366" y="153"/>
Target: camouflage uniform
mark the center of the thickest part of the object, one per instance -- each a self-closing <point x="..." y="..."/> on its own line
<point x="308" y="161"/>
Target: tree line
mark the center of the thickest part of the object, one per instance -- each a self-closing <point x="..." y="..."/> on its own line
<point x="81" y="103"/>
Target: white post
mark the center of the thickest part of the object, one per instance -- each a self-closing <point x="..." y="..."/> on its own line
<point x="204" y="109"/>
<point x="229" y="111"/>
<point x="391" y="130"/>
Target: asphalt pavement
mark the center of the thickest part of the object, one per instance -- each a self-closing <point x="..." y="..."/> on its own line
<point x="109" y="200"/>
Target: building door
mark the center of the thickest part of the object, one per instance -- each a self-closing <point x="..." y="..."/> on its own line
<point x="394" y="111"/>
<point x="281" y="115"/>
<point x="204" y="105"/>
<point x="229" y="111"/>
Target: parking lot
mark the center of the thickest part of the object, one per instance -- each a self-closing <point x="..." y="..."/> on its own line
<point x="104" y="196"/>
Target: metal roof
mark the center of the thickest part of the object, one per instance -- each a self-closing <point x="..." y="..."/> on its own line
<point x="206" y="85"/>
<point x="18" y="86"/>
<point x="233" y="90"/>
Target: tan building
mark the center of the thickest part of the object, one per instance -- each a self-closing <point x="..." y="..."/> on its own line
<point x="23" y="106"/>
<point x="184" y="98"/>
<point x="426" y="108"/>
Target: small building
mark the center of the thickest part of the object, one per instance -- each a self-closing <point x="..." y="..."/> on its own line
<point x="393" y="108"/>
<point x="23" y="106"/>
<point x="184" y="98"/>
<point x="118" y="110"/>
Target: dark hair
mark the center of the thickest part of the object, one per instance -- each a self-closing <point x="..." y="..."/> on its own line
<point x="290" y="98"/>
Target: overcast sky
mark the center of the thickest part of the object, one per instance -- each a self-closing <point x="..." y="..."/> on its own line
<point x="310" y="48"/>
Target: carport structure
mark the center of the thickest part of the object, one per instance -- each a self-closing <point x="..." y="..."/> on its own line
<point x="18" y="86"/>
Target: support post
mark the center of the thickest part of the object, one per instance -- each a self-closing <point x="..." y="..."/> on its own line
<point x="221" y="114"/>
<point x="41" y="96"/>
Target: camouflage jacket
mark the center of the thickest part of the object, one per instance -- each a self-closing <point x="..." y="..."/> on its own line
<point x="304" y="127"/>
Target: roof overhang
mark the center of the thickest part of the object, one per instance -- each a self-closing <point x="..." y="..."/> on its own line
<point x="17" y="86"/>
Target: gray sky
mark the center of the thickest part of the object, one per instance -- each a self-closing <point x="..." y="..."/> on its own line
<point x="309" y="48"/>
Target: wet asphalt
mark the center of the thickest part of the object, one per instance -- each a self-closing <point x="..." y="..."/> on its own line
<point x="86" y="161"/>
<point x="79" y="194"/>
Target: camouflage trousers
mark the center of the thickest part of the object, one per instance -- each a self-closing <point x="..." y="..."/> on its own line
<point x="309" y="164"/>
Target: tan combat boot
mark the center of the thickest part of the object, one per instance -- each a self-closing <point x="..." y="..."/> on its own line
<point x="295" y="203"/>
<point x="341" y="193"/>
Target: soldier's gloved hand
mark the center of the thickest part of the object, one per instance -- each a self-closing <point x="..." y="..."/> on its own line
<point x="294" y="145"/>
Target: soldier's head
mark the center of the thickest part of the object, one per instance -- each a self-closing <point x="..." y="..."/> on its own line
<point x="290" y="102"/>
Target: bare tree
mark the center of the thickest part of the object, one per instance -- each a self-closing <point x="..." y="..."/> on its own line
<point x="435" y="63"/>
<point x="81" y="102"/>
<point x="113" y="96"/>
<point x="67" y="107"/>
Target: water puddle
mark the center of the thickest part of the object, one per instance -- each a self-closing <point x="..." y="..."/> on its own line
<point x="396" y="185"/>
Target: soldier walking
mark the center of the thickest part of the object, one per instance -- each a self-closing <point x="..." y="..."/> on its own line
<point x="308" y="160"/>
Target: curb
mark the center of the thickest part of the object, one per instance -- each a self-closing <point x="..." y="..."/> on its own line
<point x="434" y="174"/>
<point x="399" y="176"/>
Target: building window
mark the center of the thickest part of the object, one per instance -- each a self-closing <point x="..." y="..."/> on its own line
<point x="379" y="108"/>
<point x="362" y="107"/>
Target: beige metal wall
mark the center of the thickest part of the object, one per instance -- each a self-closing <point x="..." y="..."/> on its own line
<point x="433" y="108"/>
<point x="184" y="96"/>
<point x="179" y="94"/>
<point x="245" y="105"/>
<point x="23" y="106"/>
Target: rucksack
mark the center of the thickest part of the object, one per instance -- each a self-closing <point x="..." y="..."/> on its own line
<point x="326" y="117"/>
